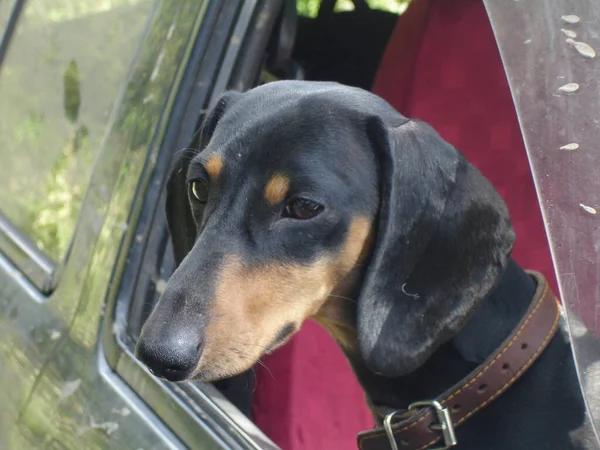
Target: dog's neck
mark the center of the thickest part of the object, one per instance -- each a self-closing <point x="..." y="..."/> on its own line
<point x="489" y="325"/>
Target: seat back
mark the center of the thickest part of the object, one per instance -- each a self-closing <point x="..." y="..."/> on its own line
<point x="456" y="82"/>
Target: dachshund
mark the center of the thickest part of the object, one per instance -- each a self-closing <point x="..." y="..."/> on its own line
<point x="316" y="200"/>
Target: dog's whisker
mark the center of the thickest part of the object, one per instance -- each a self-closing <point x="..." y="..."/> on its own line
<point x="247" y="344"/>
<point x="218" y="316"/>
<point x="254" y="385"/>
<point x="266" y="368"/>
<point x="188" y="157"/>
<point x="342" y="297"/>
<point x="187" y="149"/>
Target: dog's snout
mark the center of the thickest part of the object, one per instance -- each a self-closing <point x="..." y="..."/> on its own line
<point x="173" y="355"/>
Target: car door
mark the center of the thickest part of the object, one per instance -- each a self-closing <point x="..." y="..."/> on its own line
<point x="57" y="94"/>
<point x="94" y="98"/>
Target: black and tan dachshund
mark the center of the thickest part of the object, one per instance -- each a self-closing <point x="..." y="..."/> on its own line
<point x="317" y="200"/>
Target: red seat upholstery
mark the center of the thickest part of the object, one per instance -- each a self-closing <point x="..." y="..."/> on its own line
<point x="458" y="85"/>
<point x="310" y="399"/>
<point x="442" y="66"/>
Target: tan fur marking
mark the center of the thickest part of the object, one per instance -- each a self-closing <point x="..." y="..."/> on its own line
<point x="252" y="305"/>
<point x="277" y="188"/>
<point x="213" y="166"/>
<point x="335" y="317"/>
<point x="336" y="314"/>
<point x="358" y="244"/>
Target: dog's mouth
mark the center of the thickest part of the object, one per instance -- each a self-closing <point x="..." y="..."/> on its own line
<point x="234" y="361"/>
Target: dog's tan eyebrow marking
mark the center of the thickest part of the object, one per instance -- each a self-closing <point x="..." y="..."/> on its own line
<point x="213" y="166"/>
<point x="276" y="189"/>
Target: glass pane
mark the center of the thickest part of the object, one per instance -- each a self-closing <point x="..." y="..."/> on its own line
<point x="561" y="131"/>
<point x="59" y="80"/>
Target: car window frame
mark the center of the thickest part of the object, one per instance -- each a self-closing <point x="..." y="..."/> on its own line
<point x="194" y="414"/>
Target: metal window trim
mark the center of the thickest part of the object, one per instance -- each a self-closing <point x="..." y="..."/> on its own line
<point x="134" y="402"/>
<point x="25" y="255"/>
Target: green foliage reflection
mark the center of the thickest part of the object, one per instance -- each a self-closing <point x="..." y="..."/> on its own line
<point x="58" y="83"/>
<point x="310" y="8"/>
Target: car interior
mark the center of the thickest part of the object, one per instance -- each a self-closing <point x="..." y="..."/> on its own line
<point x="435" y="60"/>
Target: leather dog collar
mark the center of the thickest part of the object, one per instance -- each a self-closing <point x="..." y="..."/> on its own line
<point x="426" y="423"/>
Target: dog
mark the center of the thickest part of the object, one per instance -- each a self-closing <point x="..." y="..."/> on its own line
<point x="316" y="200"/>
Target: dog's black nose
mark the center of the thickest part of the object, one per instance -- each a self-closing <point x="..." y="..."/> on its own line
<point x="172" y="355"/>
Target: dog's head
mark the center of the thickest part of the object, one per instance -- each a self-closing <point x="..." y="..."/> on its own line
<point x="301" y="190"/>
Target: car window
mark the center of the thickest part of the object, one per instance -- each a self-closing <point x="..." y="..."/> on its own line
<point x="59" y="78"/>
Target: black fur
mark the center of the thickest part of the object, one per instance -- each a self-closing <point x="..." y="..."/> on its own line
<point x="443" y="240"/>
<point x="439" y="291"/>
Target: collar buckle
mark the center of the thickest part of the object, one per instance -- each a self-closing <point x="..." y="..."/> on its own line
<point x="445" y="425"/>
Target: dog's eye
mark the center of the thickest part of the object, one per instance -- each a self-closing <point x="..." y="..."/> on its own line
<point x="199" y="190"/>
<point x="303" y="209"/>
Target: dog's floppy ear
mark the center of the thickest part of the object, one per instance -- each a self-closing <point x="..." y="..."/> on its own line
<point x="444" y="238"/>
<point x="180" y="221"/>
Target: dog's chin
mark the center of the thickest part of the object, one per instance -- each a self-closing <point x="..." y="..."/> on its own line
<point x="208" y="372"/>
<point x="210" y="376"/>
<point x="279" y="341"/>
